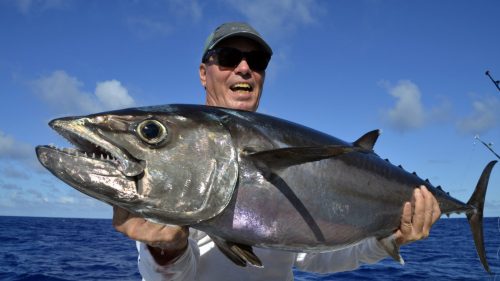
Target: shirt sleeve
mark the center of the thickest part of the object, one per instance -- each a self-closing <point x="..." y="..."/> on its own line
<point x="184" y="268"/>
<point x="369" y="250"/>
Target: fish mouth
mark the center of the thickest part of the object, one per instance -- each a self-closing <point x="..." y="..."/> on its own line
<point x="90" y="175"/>
<point x="91" y="146"/>
<point x="96" y="154"/>
<point x="94" y="166"/>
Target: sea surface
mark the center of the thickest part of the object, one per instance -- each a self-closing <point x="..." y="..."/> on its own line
<point x="90" y="249"/>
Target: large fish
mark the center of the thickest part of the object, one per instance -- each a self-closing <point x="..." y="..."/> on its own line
<point x="244" y="178"/>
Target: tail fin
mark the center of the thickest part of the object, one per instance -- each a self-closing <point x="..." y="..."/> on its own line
<point x="475" y="216"/>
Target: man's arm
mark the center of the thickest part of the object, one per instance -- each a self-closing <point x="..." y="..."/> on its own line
<point x="165" y="243"/>
<point x="183" y="268"/>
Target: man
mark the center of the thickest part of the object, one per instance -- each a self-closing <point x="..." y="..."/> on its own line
<point x="233" y="73"/>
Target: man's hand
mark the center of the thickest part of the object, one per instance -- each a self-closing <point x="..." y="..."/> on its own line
<point x="418" y="225"/>
<point x="165" y="243"/>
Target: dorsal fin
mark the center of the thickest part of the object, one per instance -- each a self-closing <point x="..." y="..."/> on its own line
<point x="367" y="141"/>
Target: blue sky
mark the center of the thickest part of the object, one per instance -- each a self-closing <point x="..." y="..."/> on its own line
<point x="415" y="69"/>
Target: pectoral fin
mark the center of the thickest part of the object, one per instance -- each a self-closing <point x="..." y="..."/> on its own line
<point x="392" y="248"/>
<point x="277" y="159"/>
<point x="240" y="254"/>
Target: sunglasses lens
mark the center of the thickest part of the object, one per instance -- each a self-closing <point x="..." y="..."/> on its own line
<point x="257" y="60"/>
<point x="231" y="57"/>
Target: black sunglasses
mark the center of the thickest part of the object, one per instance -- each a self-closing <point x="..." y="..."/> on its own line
<point x="231" y="57"/>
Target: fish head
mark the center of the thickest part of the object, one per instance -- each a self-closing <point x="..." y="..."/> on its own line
<point x="167" y="164"/>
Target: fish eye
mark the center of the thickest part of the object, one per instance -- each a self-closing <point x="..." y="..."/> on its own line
<point x="152" y="131"/>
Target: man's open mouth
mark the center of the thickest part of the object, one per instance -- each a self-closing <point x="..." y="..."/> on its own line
<point x="241" y="87"/>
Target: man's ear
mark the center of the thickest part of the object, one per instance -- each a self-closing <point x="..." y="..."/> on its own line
<point x="203" y="75"/>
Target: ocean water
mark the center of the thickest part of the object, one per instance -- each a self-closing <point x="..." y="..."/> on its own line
<point x="90" y="249"/>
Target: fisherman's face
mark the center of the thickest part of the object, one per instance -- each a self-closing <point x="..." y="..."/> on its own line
<point x="238" y="87"/>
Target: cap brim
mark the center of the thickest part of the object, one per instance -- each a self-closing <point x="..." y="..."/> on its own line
<point x="248" y="35"/>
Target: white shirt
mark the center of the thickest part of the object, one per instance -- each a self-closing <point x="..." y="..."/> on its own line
<point x="203" y="261"/>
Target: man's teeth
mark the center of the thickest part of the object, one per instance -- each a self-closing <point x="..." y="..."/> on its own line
<point x="241" y="87"/>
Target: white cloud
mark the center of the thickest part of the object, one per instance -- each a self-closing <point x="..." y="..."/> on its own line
<point x="144" y="27"/>
<point x="10" y="171"/>
<point x="25" y="6"/>
<point x="408" y="112"/>
<point x="17" y="159"/>
<point x="174" y="14"/>
<point x="66" y="200"/>
<point x="186" y="9"/>
<point x="9" y="186"/>
<point x="277" y="17"/>
<point x="10" y="148"/>
<point x="64" y="93"/>
<point x="484" y="117"/>
<point x="113" y="95"/>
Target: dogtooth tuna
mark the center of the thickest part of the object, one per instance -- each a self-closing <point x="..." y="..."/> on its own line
<point x="244" y="178"/>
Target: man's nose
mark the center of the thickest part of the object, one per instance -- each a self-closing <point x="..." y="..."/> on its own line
<point x="242" y="67"/>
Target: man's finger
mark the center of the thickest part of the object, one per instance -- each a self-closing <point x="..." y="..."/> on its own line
<point x="436" y="213"/>
<point x="120" y="216"/>
<point x="406" y="225"/>
<point x="419" y="215"/>
<point x="429" y="211"/>
<point x="129" y="224"/>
